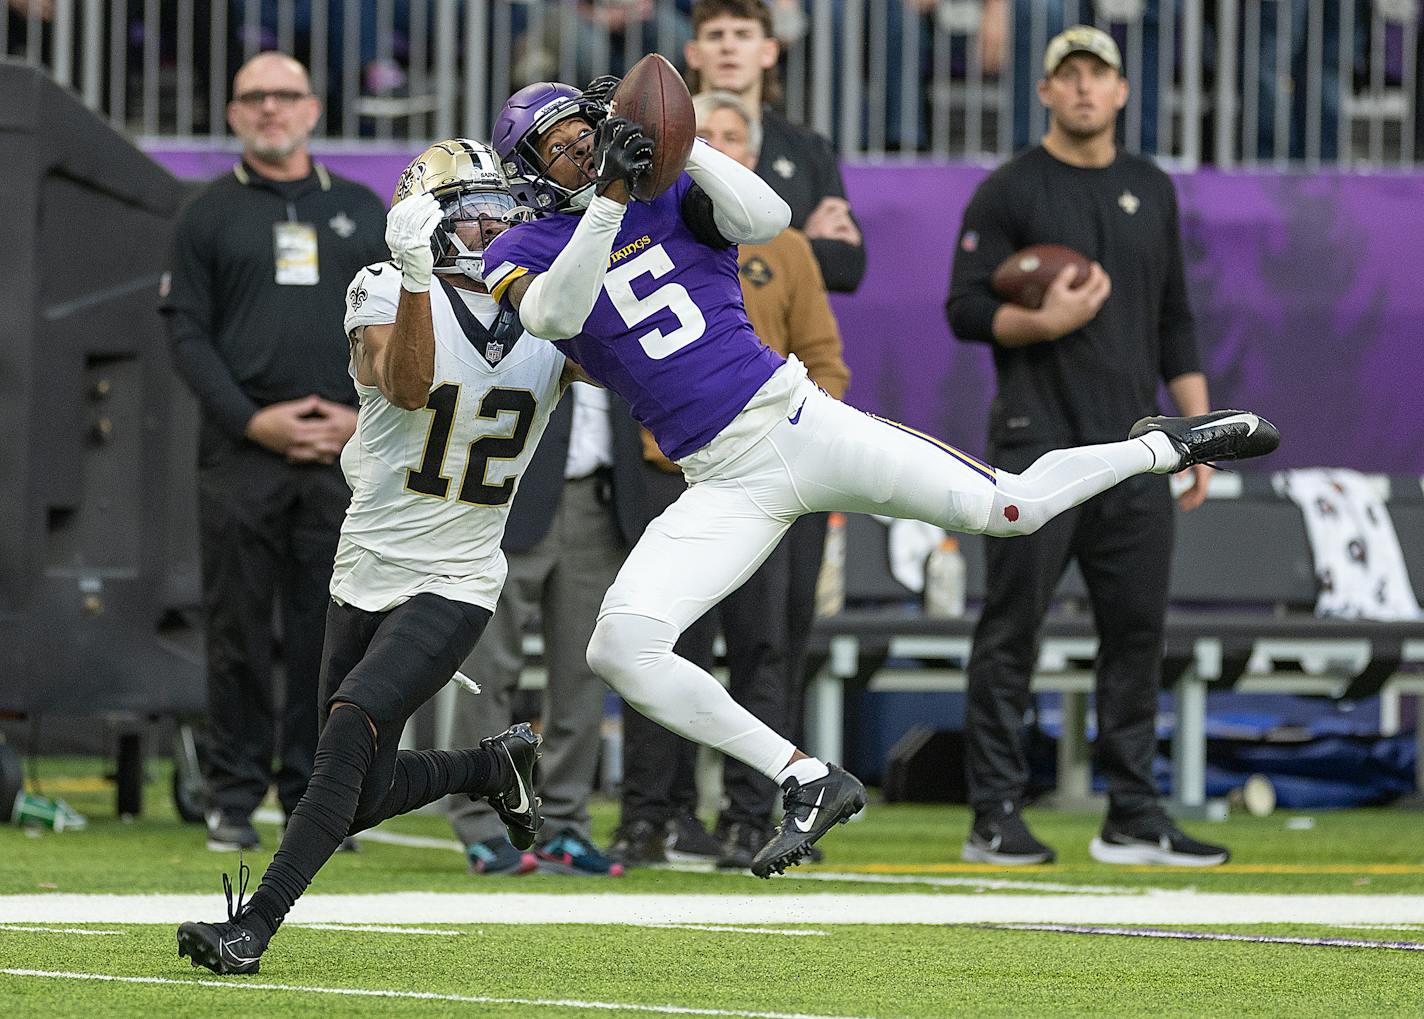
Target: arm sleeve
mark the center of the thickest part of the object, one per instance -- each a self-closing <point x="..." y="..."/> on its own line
<point x="815" y="337"/>
<point x="1177" y="328"/>
<point x="561" y="298"/>
<point x="842" y="263"/>
<point x="745" y="208"/>
<point x="701" y="218"/>
<point x="986" y="238"/>
<point x="188" y="310"/>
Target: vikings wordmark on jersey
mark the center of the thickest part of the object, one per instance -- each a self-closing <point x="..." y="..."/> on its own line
<point x="665" y="295"/>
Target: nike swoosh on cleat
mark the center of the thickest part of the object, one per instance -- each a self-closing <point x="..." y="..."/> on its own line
<point x="806" y="825"/>
<point x="226" y="947"/>
<point x="523" y="805"/>
<point x="796" y="418"/>
<point x="1251" y="421"/>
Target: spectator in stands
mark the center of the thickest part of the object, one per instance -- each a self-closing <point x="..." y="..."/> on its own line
<point x="577" y="512"/>
<point x="261" y="258"/>
<point x="1036" y="20"/>
<point x="733" y="49"/>
<point x="1080" y="369"/>
<point x="608" y="36"/>
<point x="765" y="636"/>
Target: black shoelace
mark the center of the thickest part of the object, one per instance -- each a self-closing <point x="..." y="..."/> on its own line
<point x="244" y="872"/>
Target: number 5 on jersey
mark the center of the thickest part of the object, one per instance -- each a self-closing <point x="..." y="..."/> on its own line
<point x="475" y="486"/>
<point x="655" y="262"/>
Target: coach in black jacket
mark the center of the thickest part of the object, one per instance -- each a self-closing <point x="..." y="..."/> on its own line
<point x="580" y="507"/>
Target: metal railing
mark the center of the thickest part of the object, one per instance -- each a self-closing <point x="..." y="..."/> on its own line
<point x="1229" y="82"/>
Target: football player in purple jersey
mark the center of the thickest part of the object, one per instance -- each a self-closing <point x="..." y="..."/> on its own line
<point x="645" y="296"/>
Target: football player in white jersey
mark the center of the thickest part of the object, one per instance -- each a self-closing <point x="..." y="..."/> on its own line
<point x="453" y="400"/>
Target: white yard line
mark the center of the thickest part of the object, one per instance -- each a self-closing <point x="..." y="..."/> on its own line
<point x="739" y="930"/>
<point x="55" y="930"/>
<point x="809" y="910"/>
<point x="379" y="928"/>
<point x="363" y="992"/>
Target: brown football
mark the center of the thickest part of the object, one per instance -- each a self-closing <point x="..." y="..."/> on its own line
<point x="653" y="96"/>
<point x="1024" y="277"/>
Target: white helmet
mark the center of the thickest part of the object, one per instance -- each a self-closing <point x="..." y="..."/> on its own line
<point x="465" y="177"/>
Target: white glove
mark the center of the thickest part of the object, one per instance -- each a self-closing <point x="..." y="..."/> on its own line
<point x="409" y="225"/>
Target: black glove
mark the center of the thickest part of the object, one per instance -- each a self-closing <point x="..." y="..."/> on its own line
<point x="601" y="90"/>
<point x="621" y="153"/>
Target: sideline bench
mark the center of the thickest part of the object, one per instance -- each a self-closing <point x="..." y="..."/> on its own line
<point x="1240" y="618"/>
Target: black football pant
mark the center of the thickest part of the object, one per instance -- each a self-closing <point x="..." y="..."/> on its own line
<point x="1122" y="542"/>
<point x="267" y="532"/>
<point x="377" y="669"/>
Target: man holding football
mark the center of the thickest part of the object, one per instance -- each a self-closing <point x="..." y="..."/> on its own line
<point x="1080" y="368"/>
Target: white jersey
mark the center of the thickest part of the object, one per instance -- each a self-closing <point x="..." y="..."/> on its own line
<point x="431" y="488"/>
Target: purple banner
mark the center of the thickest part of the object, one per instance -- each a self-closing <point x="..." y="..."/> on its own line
<point x="1304" y="288"/>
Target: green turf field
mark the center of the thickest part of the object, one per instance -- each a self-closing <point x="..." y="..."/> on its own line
<point x="753" y="953"/>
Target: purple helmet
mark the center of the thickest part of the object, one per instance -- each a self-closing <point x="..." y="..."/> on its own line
<point x="526" y="115"/>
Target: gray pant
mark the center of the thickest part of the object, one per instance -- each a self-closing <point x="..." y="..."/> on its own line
<point x="563" y="578"/>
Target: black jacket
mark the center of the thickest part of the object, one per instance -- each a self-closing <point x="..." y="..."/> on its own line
<point x="241" y="340"/>
<point x="1091" y="385"/>
<point x="802" y="168"/>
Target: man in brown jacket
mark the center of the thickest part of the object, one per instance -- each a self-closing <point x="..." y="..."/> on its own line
<point x="764" y="629"/>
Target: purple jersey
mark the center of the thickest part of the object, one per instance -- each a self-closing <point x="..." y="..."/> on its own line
<point x="669" y="332"/>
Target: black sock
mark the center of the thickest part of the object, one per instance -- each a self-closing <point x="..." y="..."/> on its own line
<point x="424" y="776"/>
<point x="321" y="820"/>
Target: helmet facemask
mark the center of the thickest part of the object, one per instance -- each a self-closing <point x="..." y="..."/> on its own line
<point x="470" y="219"/>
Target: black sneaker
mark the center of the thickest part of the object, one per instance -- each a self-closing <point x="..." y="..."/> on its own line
<point x="1220" y="435"/>
<point x="638" y="844"/>
<point x="229" y="833"/>
<point x="740" y="844"/>
<point x="1000" y="837"/>
<point x="516" y="804"/>
<point x="810" y="810"/>
<point x="689" y="842"/>
<point x="230" y="947"/>
<point x="497" y="856"/>
<point x="1153" y="838"/>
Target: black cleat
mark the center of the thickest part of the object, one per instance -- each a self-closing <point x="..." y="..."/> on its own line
<point x="1000" y="837"/>
<point x="516" y="804"/>
<point x="1220" y="435"/>
<point x="227" y="948"/>
<point x="639" y="844"/>
<point x="810" y="810"/>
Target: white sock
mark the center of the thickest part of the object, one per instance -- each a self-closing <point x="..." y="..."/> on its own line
<point x="1166" y="459"/>
<point x="807" y="769"/>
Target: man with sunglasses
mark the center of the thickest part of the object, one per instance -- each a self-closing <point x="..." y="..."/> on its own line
<point x="454" y="398"/>
<point x="261" y="258"/>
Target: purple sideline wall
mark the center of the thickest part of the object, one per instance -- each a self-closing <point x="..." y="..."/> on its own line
<point x="1308" y="291"/>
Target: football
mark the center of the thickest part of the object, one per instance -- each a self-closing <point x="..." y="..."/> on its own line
<point x="653" y="96"/>
<point x="1024" y="277"/>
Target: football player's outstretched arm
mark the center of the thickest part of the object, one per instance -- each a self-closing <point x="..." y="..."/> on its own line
<point x="745" y="208"/>
<point x="557" y="302"/>
<point x="402" y="358"/>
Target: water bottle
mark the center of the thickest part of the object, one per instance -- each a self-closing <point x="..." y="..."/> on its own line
<point x="944" y="581"/>
<point x="830" y="582"/>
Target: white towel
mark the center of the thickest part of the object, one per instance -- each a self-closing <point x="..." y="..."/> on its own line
<point x="909" y="544"/>
<point x="1358" y="565"/>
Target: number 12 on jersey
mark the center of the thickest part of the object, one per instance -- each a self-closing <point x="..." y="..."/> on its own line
<point x="475" y="487"/>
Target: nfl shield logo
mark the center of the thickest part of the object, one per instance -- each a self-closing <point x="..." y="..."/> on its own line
<point x="494" y="350"/>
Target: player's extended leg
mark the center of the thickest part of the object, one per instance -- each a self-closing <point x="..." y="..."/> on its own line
<point x="844" y="459"/>
<point x="401" y="658"/>
<point x="703" y="547"/>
